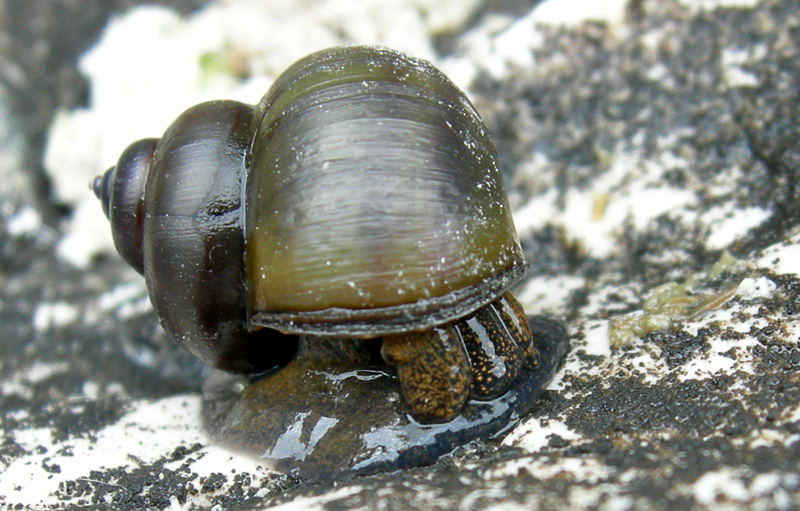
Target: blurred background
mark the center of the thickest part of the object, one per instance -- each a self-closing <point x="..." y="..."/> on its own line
<point x="647" y="144"/>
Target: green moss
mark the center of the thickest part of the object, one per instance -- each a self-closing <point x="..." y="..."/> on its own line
<point x="671" y="303"/>
<point x="225" y="62"/>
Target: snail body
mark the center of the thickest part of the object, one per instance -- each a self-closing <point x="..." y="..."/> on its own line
<point x="360" y="199"/>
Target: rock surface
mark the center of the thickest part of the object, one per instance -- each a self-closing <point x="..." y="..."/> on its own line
<point x="652" y="159"/>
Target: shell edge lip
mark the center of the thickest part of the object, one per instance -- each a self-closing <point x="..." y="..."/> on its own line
<point x="367" y="323"/>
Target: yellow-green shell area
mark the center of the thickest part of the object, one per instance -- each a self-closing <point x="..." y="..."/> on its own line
<point x="374" y="199"/>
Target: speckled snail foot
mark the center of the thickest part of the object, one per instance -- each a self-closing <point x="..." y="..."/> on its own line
<point x="327" y="416"/>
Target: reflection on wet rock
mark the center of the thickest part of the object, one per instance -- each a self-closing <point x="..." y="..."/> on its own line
<point x="323" y="418"/>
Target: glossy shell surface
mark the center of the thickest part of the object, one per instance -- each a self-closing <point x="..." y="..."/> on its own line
<point x="374" y="203"/>
<point x="175" y="208"/>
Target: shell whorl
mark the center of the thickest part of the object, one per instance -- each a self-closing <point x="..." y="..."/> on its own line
<point x="121" y="193"/>
<point x="374" y="201"/>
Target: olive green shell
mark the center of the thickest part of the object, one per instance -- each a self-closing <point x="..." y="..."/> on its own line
<point x="374" y="200"/>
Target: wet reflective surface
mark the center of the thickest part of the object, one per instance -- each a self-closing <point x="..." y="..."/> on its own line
<point x="323" y="419"/>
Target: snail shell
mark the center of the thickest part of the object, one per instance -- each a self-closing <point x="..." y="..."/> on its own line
<point x="360" y="198"/>
<point x="374" y="204"/>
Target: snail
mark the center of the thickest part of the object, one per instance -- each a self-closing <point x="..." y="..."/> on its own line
<point x="358" y="204"/>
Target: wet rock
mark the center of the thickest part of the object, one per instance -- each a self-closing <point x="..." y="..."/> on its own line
<point x="323" y="421"/>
